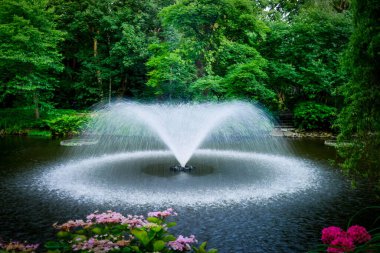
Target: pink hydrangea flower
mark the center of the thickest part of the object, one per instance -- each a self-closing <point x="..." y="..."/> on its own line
<point x="182" y="243"/>
<point x="163" y="214"/>
<point x="18" y="247"/>
<point x="107" y="217"/>
<point x="99" y="246"/>
<point x="358" y="234"/>
<point x="341" y="244"/>
<point x="134" y="221"/>
<point x="72" y="224"/>
<point x="329" y="234"/>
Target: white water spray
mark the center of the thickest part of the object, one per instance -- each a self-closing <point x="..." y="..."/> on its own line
<point x="182" y="127"/>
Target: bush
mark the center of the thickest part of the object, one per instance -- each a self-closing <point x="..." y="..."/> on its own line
<point x="314" y="116"/>
<point x="17" y="120"/>
<point x="67" y="124"/>
<point x="113" y="232"/>
<point x="356" y="239"/>
<point x="21" y="121"/>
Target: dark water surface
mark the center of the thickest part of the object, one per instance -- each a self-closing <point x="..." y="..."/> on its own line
<point x="282" y="223"/>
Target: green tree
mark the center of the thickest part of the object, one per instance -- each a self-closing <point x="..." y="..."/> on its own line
<point x="304" y="56"/>
<point x="359" y="120"/>
<point x="29" y="55"/>
<point x="214" y="38"/>
<point x="207" y="23"/>
<point x="170" y="73"/>
<point x="106" y="49"/>
<point x="280" y="9"/>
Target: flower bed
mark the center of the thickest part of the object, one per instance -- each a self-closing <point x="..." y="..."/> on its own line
<point x="113" y="232"/>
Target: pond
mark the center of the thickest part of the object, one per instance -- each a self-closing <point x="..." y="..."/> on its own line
<point x="285" y="220"/>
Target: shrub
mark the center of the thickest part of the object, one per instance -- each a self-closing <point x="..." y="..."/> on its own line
<point x="113" y="232"/>
<point x="67" y="124"/>
<point x="356" y="239"/>
<point x="314" y="116"/>
<point x="21" y="121"/>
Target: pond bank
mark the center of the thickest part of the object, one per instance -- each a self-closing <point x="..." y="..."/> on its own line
<point x="298" y="133"/>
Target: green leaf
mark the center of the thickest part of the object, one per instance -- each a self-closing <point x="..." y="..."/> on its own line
<point x="63" y="234"/>
<point x="81" y="232"/>
<point x="156" y="229"/>
<point x="53" y="245"/>
<point x="203" y="246"/>
<point x="97" y="231"/>
<point x="158" y="245"/>
<point x="171" y="224"/>
<point x="169" y="238"/>
<point x="142" y="236"/>
<point x="79" y="238"/>
<point x="154" y="220"/>
<point x="126" y="250"/>
<point x="135" y="248"/>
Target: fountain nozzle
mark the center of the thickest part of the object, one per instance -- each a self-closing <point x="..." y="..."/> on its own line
<point x="179" y="168"/>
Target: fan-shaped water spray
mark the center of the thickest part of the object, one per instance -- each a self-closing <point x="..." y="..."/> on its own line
<point x="228" y="147"/>
<point x="181" y="127"/>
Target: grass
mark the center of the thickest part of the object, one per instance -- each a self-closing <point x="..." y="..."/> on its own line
<point x="40" y="133"/>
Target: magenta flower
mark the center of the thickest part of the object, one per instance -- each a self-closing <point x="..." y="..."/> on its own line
<point x="331" y="233"/>
<point x="358" y="234"/>
<point x="163" y="214"/>
<point x="182" y="243"/>
<point x="341" y="244"/>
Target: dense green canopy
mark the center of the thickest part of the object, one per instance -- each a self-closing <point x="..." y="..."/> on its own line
<point x="359" y="120"/>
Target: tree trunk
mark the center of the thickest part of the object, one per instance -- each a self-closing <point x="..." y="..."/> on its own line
<point x="123" y="87"/>
<point x="98" y="73"/>
<point x="109" y="90"/>
<point x="36" y="110"/>
<point x="110" y="77"/>
<point x="200" y="68"/>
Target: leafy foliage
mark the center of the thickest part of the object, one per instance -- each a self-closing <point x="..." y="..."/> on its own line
<point x="111" y="231"/>
<point x="304" y="56"/>
<point x="62" y="122"/>
<point x="313" y="116"/>
<point x="209" y="88"/>
<point x="170" y="74"/>
<point x="359" y="119"/>
<point x="67" y="124"/>
<point x="28" y="50"/>
<point x="215" y="43"/>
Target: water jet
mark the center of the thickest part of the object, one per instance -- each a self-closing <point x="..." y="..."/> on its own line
<point x="227" y="147"/>
<point x="243" y="176"/>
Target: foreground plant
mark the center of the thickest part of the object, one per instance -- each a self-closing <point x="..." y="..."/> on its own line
<point x="355" y="239"/>
<point x="17" y="247"/>
<point x="113" y="232"/>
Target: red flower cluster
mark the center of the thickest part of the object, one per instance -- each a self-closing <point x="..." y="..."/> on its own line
<point x="341" y="241"/>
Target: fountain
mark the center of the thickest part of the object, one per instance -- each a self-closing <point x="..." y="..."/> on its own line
<point x="216" y="164"/>
<point x="141" y="151"/>
<point x="180" y="127"/>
